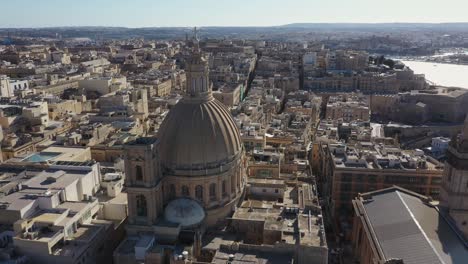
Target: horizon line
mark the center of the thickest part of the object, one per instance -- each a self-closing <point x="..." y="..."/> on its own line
<point x="237" y="26"/>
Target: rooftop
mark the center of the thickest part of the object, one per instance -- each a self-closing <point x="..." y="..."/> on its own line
<point x="407" y="227"/>
<point x="253" y="257"/>
<point x="380" y="157"/>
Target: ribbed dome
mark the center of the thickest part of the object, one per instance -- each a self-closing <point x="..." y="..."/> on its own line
<point x="198" y="135"/>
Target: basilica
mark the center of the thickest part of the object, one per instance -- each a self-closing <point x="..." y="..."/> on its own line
<point x="192" y="174"/>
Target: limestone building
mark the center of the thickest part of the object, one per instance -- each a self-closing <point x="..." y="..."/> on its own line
<point x="432" y="234"/>
<point x="454" y="190"/>
<point x="348" y="108"/>
<point x="191" y="176"/>
<point x="345" y="171"/>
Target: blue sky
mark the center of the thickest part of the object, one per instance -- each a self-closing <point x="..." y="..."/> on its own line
<point x="150" y="13"/>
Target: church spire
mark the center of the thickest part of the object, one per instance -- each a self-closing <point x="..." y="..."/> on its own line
<point x="195" y="33"/>
<point x="196" y="41"/>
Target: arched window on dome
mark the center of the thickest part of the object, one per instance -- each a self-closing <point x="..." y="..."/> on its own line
<point x="223" y="188"/>
<point x="233" y="183"/>
<point x="142" y="209"/>
<point x="185" y="191"/>
<point x="199" y="192"/>
<point x="172" y="191"/>
<point x="213" y="192"/>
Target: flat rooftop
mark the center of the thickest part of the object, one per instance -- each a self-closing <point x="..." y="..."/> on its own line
<point x="222" y="257"/>
<point x="53" y="180"/>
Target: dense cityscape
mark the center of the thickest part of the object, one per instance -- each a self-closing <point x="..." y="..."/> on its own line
<point x="303" y="143"/>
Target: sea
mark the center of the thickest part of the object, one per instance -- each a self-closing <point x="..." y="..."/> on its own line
<point x="452" y="75"/>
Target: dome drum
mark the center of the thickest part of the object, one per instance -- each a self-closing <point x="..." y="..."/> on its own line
<point x="213" y="168"/>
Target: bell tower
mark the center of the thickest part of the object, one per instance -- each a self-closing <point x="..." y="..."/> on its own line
<point x="454" y="192"/>
<point x="143" y="182"/>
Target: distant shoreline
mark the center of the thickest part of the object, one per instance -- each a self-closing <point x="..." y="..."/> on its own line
<point x="443" y="74"/>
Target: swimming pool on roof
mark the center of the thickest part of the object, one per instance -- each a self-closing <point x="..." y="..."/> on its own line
<point x="41" y="156"/>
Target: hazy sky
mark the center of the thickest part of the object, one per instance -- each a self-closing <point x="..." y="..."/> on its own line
<point x="152" y="13"/>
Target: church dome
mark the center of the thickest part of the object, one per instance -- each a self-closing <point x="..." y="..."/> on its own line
<point x="198" y="135"/>
<point x="185" y="212"/>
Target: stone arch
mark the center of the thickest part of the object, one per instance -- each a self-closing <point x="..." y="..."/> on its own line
<point x="233" y="182"/>
<point x="199" y="192"/>
<point x="139" y="173"/>
<point x="213" y="191"/>
<point x="172" y="191"/>
<point x="141" y="205"/>
<point x="223" y="188"/>
<point x="185" y="191"/>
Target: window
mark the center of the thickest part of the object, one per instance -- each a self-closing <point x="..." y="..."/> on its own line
<point x="199" y="192"/>
<point x="276" y="191"/>
<point x="141" y="205"/>
<point x="434" y="192"/>
<point x="233" y="183"/>
<point x="138" y="173"/>
<point x="347" y="177"/>
<point x="223" y="187"/>
<point x="346" y="187"/>
<point x="264" y="173"/>
<point x="185" y="191"/>
<point x="436" y="180"/>
<point x="172" y="191"/>
<point x="213" y="192"/>
<point x="345" y="197"/>
<point x="372" y="178"/>
<point x="193" y="88"/>
<point x="362" y="188"/>
<point x="202" y="83"/>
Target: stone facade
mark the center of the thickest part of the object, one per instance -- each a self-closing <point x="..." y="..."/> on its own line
<point x="455" y="182"/>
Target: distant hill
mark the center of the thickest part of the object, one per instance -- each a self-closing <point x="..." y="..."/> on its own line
<point x="445" y="26"/>
<point x="296" y="31"/>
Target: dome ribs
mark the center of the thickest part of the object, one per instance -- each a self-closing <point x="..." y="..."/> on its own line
<point x="198" y="135"/>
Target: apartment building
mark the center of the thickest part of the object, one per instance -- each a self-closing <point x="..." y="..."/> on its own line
<point x="349" y="170"/>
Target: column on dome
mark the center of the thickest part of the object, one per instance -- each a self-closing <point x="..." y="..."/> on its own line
<point x="233" y="182"/>
<point x="237" y="180"/>
<point x="228" y="187"/>
<point x="206" y="197"/>
<point x="193" y="87"/>
<point x="219" y="190"/>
